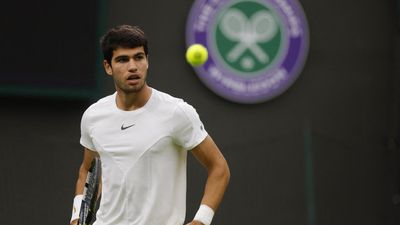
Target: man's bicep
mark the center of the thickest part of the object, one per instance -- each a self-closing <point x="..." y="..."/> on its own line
<point x="208" y="153"/>
<point x="88" y="156"/>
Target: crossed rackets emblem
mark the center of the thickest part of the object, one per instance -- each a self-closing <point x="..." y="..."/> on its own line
<point x="248" y="32"/>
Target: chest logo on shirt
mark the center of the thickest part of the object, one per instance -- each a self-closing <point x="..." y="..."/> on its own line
<point x="124" y="128"/>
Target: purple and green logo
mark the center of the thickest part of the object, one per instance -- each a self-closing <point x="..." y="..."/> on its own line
<point x="257" y="48"/>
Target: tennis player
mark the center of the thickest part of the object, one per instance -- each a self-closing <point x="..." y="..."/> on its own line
<point x="142" y="137"/>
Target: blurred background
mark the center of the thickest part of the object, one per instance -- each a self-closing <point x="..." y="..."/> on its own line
<point x="326" y="151"/>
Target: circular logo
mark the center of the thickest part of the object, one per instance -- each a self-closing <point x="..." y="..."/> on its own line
<point x="256" y="48"/>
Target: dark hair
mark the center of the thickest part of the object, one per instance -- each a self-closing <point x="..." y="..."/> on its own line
<point x="122" y="36"/>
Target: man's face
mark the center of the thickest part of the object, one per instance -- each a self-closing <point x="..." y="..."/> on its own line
<point x="128" y="69"/>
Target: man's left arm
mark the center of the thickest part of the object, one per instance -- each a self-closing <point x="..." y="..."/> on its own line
<point x="208" y="154"/>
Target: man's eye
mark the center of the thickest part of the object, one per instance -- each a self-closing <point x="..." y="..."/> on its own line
<point x="139" y="57"/>
<point x="122" y="60"/>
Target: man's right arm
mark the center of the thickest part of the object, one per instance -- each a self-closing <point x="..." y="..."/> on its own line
<point x="88" y="157"/>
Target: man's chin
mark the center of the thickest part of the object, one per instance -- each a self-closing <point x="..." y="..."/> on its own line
<point x="133" y="89"/>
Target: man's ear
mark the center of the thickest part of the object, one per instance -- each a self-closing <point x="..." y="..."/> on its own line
<point x="107" y="67"/>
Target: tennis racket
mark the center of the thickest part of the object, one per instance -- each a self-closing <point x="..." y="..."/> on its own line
<point x="87" y="215"/>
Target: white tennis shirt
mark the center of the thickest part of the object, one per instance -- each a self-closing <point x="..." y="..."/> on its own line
<point x="143" y="154"/>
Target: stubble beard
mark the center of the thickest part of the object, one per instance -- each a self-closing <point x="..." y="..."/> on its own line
<point x="129" y="89"/>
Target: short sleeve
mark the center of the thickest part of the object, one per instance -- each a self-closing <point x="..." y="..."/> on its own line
<point x="86" y="140"/>
<point x="188" y="131"/>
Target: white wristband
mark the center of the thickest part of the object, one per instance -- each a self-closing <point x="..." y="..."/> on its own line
<point x="205" y="214"/>
<point x="76" y="208"/>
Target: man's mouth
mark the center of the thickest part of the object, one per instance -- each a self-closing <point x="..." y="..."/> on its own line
<point x="133" y="77"/>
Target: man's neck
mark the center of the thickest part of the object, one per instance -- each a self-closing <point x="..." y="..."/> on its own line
<point x="133" y="101"/>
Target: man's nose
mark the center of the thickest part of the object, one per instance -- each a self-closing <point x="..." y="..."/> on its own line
<point x="132" y="65"/>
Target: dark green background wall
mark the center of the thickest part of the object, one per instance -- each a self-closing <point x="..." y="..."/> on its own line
<point x="324" y="152"/>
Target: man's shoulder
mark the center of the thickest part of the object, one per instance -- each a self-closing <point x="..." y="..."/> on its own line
<point x="178" y="105"/>
<point x="101" y="104"/>
<point x="167" y="99"/>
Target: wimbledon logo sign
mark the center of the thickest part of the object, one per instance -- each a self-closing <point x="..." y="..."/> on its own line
<point x="257" y="49"/>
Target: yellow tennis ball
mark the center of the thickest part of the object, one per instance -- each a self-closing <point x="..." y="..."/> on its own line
<point x="196" y="55"/>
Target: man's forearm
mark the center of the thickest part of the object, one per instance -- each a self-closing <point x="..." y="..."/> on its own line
<point x="80" y="183"/>
<point x="217" y="182"/>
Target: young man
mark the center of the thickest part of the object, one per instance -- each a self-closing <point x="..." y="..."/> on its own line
<point x="142" y="137"/>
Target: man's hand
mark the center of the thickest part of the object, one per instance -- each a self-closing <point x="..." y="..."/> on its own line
<point x="195" y="222"/>
<point x="75" y="222"/>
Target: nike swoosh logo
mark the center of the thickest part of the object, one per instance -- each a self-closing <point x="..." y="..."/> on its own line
<point x="124" y="128"/>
